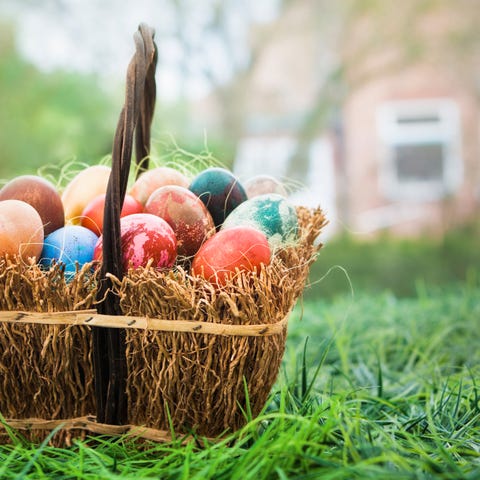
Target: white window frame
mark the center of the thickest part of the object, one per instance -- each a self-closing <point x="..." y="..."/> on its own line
<point x="445" y="131"/>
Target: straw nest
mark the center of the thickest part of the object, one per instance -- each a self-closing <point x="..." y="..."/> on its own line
<point x="193" y="381"/>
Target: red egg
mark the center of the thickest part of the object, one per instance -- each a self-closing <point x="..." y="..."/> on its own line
<point x="41" y="195"/>
<point x="144" y="237"/>
<point x="158" y="177"/>
<point x="242" y="248"/>
<point x="185" y="213"/>
<point x="92" y="215"/>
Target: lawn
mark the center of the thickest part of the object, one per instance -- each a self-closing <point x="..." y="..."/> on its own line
<point x="373" y="386"/>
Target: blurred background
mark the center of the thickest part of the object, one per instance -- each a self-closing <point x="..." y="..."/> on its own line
<point x="365" y="108"/>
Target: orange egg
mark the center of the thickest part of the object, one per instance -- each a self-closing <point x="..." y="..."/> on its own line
<point x="21" y="230"/>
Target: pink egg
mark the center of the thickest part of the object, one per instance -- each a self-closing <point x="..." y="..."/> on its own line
<point x="185" y="213"/>
<point x="238" y="248"/>
<point x="144" y="237"/>
<point x="262" y="184"/>
<point x="158" y="177"/>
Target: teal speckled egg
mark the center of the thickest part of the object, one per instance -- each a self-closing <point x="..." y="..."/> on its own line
<point x="220" y="191"/>
<point x="270" y="213"/>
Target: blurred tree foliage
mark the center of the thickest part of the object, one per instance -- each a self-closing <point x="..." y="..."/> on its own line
<point x="49" y="118"/>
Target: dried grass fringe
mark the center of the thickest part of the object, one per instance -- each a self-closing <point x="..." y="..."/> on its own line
<point x="192" y="381"/>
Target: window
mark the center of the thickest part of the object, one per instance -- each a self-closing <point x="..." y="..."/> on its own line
<point x="420" y="154"/>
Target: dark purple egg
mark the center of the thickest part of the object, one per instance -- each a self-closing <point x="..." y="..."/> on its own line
<point x="220" y="191"/>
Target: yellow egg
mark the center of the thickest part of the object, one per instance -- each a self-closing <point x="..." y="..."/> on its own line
<point x="85" y="186"/>
<point x="21" y="230"/>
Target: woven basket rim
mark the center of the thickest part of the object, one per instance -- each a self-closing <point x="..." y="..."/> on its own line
<point x="91" y="317"/>
<point x="89" y="424"/>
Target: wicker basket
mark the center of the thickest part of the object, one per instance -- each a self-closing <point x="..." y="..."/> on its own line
<point x="147" y="352"/>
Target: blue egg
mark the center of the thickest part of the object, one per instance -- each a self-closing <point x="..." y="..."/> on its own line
<point x="270" y="213"/>
<point x="220" y="191"/>
<point x="69" y="245"/>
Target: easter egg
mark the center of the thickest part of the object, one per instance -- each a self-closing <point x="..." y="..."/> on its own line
<point x="270" y="213"/>
<point x="220" y="191"/>
<point x="85" y="186"/>
<point x="155" y="178"/>
<point x="242" y="249"/>
<point x="261" y="184"/>
<point x="92" y="214"/>
<point x="41" y="195"/>
<point x="185" y="213"/>
<point x="69" y="245"/>
<point x="21" y="230"/>
<point x="144" y="237"/>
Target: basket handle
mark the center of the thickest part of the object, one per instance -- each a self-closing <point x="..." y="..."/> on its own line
<point x="109" y="361"/>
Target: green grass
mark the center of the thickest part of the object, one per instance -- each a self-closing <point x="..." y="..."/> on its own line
<point x="372" y="387"/>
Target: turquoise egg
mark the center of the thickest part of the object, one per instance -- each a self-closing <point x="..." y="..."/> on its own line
<point x="270" y="213"/>
<point x="220" y="191"/>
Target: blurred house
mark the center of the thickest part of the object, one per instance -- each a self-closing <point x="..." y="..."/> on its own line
<point x="393" y="142"/>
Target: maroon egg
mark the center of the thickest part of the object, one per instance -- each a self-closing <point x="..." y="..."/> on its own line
<point x="41" y="195"/>
<point x="185" y="213"/>
<point x="144" y="237"/>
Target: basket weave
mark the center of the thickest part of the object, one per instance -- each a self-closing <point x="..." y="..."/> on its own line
<point x="148" y="351"/>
